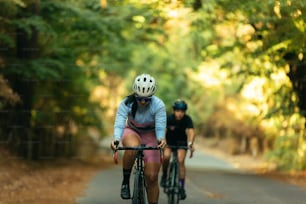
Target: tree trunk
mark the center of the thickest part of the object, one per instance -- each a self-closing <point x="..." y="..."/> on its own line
<point x="26" y="50"/>
<point x="197" y="4"/>
<point x="297" y="75"/>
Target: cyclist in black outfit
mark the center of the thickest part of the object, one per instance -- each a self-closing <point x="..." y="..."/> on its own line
<point x="180" y="132"/>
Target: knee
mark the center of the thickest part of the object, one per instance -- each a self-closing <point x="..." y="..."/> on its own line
<point x="166" y="158"/>
<point x="182" y="163"/>
<point x="130" y="153"/>
<point x="151" y="179"/>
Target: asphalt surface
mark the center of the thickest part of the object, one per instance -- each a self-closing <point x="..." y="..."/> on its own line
<point x="209" y="180"/>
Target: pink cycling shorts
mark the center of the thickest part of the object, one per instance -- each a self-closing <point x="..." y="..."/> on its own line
<point x="149" y="139"/>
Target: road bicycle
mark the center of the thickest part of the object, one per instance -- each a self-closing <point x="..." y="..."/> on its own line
<point x="139" y="195"/>
<point x="172" y="187"/>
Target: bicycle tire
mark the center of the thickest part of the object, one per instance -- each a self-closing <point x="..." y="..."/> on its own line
<point x="139" y="195"/>
<point x="173" y="190"/>
<point x="139" y="191"/>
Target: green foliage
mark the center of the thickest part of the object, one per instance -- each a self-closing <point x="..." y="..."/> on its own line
<point x="251" y="46"/>
<point x="204" y="53"/>
<point x="289" y="150"/>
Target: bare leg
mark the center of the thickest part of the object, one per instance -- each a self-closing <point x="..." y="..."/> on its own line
<point x="129" y="155"/>
<point x="181" y="158"/>
<point x="151" y="174"/>
<point x="166" y="159"/>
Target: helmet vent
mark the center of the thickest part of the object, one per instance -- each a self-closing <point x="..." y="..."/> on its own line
<point x="144" y="85"/>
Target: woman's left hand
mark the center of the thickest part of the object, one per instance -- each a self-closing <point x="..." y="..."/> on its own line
<point x="191" y="148"/>
<point x="162" y="143"/>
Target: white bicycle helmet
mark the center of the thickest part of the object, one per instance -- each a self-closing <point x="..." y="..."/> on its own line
<point x="144" y="85"/>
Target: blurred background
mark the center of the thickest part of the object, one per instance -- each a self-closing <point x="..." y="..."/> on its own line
<point x="240" y="65"/>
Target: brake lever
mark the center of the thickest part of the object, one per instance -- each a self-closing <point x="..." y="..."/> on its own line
<point x="115" y="152"/>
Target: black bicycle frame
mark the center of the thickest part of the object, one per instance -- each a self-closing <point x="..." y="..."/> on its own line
<point x="172" y="188"/>
<point x="139" y="191"/>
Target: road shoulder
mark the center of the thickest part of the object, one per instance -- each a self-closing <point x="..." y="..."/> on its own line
<point x="257" y="165"/>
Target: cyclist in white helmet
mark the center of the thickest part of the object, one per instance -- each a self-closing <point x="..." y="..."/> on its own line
<point x="141" y="119"/>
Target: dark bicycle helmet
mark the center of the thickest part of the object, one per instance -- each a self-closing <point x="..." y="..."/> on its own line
<point x="180" y="105"/>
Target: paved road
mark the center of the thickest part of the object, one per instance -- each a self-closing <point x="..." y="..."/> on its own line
<point x="209" y="180"/>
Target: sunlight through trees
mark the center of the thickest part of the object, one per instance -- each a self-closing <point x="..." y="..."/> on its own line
<point x="239" y="64"/>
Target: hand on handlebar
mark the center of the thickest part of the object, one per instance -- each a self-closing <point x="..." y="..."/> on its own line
<point x="162" y="143"/>
<point x="191" y="148"/>
<point x="114" y="144"/>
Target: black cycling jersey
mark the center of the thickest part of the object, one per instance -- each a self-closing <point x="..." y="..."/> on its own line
<point x="176" y="130"/>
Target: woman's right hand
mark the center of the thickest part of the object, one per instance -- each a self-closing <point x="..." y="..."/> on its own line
<point x="114" y="144"/>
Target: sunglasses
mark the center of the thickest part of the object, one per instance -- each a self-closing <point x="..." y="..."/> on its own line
<point x="145" y="99"/>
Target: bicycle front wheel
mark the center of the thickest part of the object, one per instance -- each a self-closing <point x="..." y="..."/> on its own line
<point x="173" y="190"/>
<point x="139" y="192"/>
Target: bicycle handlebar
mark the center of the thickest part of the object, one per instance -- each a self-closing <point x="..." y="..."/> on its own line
<point x="176" y="147"/>
<point x="137" y="148"/>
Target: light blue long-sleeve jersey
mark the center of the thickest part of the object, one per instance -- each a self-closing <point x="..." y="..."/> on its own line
<point x="154" y="112"/>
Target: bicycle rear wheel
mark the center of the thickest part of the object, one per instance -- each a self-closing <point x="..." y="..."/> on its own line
<point x="139" y="192"/>
<point x="173" y="184"/>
